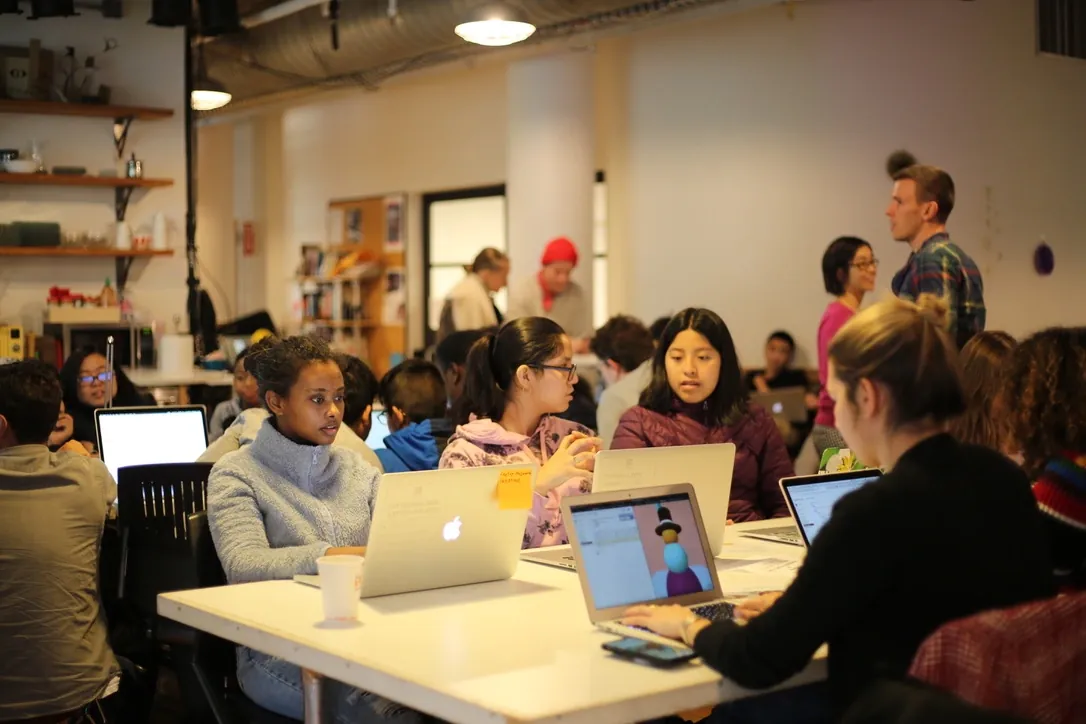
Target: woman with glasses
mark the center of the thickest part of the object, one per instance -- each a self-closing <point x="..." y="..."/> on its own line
<point x="518" y="378"/>
<point x="697" y="397"/>
<point x="848" y="273"/>
<point x="89" y="385"/>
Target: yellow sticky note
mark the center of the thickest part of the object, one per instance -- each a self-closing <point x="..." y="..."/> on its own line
<point x="514" y="490"/>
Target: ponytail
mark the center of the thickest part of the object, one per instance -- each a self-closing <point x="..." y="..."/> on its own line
<point x="483" y="396"/>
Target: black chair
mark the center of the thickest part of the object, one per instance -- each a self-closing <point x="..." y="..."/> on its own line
<point x="213" y="659"/>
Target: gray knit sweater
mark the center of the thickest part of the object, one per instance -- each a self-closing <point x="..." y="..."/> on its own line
<point x="275" y="506"/>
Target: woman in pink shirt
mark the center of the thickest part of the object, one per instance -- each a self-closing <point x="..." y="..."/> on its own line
<point x="848" y="271"/>
<point x="517" y="378"/>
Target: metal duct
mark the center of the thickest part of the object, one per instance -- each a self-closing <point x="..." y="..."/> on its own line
<point x="295" y="53"/>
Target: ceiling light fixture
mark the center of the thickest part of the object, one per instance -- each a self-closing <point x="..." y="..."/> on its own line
<point x="495" y="25"/>
<point x="207" y="93"/>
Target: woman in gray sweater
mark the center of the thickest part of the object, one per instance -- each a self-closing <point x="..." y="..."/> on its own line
<point x="279" y="504"/>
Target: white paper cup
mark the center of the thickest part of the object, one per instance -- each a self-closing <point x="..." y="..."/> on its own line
<point x="341" y="583"/>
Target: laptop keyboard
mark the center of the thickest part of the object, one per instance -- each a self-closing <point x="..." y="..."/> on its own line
<point x="784" y="532"/>
<point x="715" y="611"/>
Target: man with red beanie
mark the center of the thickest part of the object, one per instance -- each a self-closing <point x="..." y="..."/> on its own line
<point x="553" y="294"/>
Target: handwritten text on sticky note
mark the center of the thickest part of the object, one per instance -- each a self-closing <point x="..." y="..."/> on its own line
<point x="514" y="490"/>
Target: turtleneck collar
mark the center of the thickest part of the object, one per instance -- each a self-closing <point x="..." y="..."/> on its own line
<point x="307" y="466"/>
<point x="695" y="412"/>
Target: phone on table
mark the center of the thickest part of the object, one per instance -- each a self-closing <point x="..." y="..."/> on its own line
<point x="649" y="652"/>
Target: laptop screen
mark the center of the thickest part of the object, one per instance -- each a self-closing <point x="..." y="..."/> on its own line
<point x="378" y="431"/>
<point x="812" y="502"/>
<point x="148" y="436"/>
<point x="641" y="550"/>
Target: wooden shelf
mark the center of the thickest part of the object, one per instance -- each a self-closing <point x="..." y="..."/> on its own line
<point x="85" y="110"/>
<point x="81" y="251"/>
<point x="112" y="182"/>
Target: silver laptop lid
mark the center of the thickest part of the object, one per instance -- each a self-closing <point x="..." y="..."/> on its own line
<point x="811" y="498"/>
<point x="640" y="546"/>
<point x="787" y="403"/>
<point x="707" y="467"/>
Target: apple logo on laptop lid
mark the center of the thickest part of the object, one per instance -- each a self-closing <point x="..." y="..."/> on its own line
<point x="452" y="529"/>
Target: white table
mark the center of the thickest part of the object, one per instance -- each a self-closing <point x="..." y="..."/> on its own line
<point x="153" y="377"/>
<point x="519" y="651"/>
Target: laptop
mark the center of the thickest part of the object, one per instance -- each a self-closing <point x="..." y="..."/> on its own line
<point x="643" y="546"/>
<point x="442" y="528"/>
<point x="811" y="498"/>
<point x="787" y="403"/>
<point x="707" y="467"/>
<point x="148" y="435"/>
<point x="378" y="430"/>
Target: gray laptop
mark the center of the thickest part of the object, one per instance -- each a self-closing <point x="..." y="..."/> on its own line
<point x="645" y="546"/>
<point x="787" y="403"/>
<point x="442" y="528"/>
<point x="706" y="467"/>
<point x="811" y="498"/>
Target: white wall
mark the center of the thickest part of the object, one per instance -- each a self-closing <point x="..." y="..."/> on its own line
<point x="146" y="69"/>
<point x="756" y="139"/>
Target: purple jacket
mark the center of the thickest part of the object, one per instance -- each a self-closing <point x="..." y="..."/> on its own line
<point x="484" y="442"/>
<point x="761" y="458"/>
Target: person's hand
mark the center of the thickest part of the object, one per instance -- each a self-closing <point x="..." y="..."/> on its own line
<point x="729" y="521"/>
<point x="812" y="401"/>
<point x="665" y="620"/>
<point x="748" y="608"/>
<point x="760" y="384"/>
<point x="347" y="551"/>
<point x="574" y="458"/>
<point x="62" y="433"/>
<point x="75" y="448"/>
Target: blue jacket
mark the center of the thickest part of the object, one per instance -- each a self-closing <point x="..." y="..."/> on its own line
<point x="415" y="447"/>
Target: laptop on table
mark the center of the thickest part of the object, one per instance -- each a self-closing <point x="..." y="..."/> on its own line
<point x="787" y="403"/>
<point x="442" y="528"/>
<point x="643" y="546"/>
<point x="708" y="468"/>
<point x="149" y="435"/>
<point x="811" y="498"/>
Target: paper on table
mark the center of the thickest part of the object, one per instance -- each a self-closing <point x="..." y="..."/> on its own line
<point x="514" y="491"/>
<point x="768" y="566"/>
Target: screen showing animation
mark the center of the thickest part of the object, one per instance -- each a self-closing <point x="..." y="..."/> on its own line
<point x="641" y="550"/>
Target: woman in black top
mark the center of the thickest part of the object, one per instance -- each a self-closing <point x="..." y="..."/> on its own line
<point x="948" y="531"/>
<point x="87" y="384"/>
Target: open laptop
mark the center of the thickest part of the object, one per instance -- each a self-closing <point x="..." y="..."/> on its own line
<point x="148" y="435"/>
<point x="378" y="430"/>
<point x="707" y="467"/>
<point x="811" y="498"/>
<point x="644" y="546"/>
<point x="787" y="403"/>
<point x="442" y="528"/>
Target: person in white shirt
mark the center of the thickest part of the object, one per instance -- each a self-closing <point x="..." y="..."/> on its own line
<point x="470" y="304"/>
<point x="624" y="347"/>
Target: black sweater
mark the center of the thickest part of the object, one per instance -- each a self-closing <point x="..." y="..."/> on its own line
<point x="951" y="531"/>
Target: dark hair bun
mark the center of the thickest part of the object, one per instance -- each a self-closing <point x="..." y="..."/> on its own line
<point x="899" y="161"/>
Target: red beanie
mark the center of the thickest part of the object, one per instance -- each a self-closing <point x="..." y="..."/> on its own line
<point x="560" y="249"/>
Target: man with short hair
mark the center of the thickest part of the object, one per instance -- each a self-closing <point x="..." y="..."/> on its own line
<point x="413" y="393"/>
<point x="624" y="347"/>
<point x="922" y="199"/>
<point x="451" y="356"/>
<point x="53" y="506"/>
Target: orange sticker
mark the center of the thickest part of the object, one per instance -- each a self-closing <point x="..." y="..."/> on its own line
<point x="514" y="490"/>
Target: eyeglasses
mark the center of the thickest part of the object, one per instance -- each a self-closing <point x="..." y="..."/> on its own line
<point x="571" y="371"/>
<point x="100" y="377"/>
<point x="872" y="264"/>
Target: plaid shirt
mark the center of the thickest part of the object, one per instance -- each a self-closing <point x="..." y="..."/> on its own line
<point x="941" y="268"/>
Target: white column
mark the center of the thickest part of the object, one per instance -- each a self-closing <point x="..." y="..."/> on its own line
<point x="551" y="160"/>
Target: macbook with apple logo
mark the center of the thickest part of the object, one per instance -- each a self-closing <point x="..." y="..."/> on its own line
<point x="442" y="528"/>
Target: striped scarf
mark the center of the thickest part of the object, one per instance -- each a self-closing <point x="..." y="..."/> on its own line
<point x="1061" y="489"/>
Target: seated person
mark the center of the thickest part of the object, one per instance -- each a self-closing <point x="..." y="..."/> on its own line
<point x="450" y="356"/>
<point x="245" y="396"/>
<point x="88" y="385"/>
<point x="872" y="586"/>
<point x="245" y="428"/>
<point x="288" y="498"/>
<point x="53" y="506"/>
<point x="413" y="393"/>
<point x="624" y="347"/>
<point x="697" y="397"/>
<point x="984" y="360"/>
<point x="1045" y="398"/>
<point x="362" y="389"/>
<point x="582" y="408"/>
<point x="518" y="378"/>
<point x="780" y="350"/>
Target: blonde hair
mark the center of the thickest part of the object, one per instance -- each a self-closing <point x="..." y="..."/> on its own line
<point x="982" y="362"/>
<point x="905" y="348"/>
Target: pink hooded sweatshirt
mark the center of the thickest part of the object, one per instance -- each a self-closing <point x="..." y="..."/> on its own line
<point x="484" y="442"/>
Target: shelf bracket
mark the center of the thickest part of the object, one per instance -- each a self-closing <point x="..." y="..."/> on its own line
<point x="124" y="265"/>
<point x="120" y="133"/>
<point x="120" y="204"/>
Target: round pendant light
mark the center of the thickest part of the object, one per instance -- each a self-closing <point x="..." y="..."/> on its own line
<point x="495" y="25"/>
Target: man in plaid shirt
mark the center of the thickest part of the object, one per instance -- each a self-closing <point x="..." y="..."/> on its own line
<point x="923" y="198"/>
